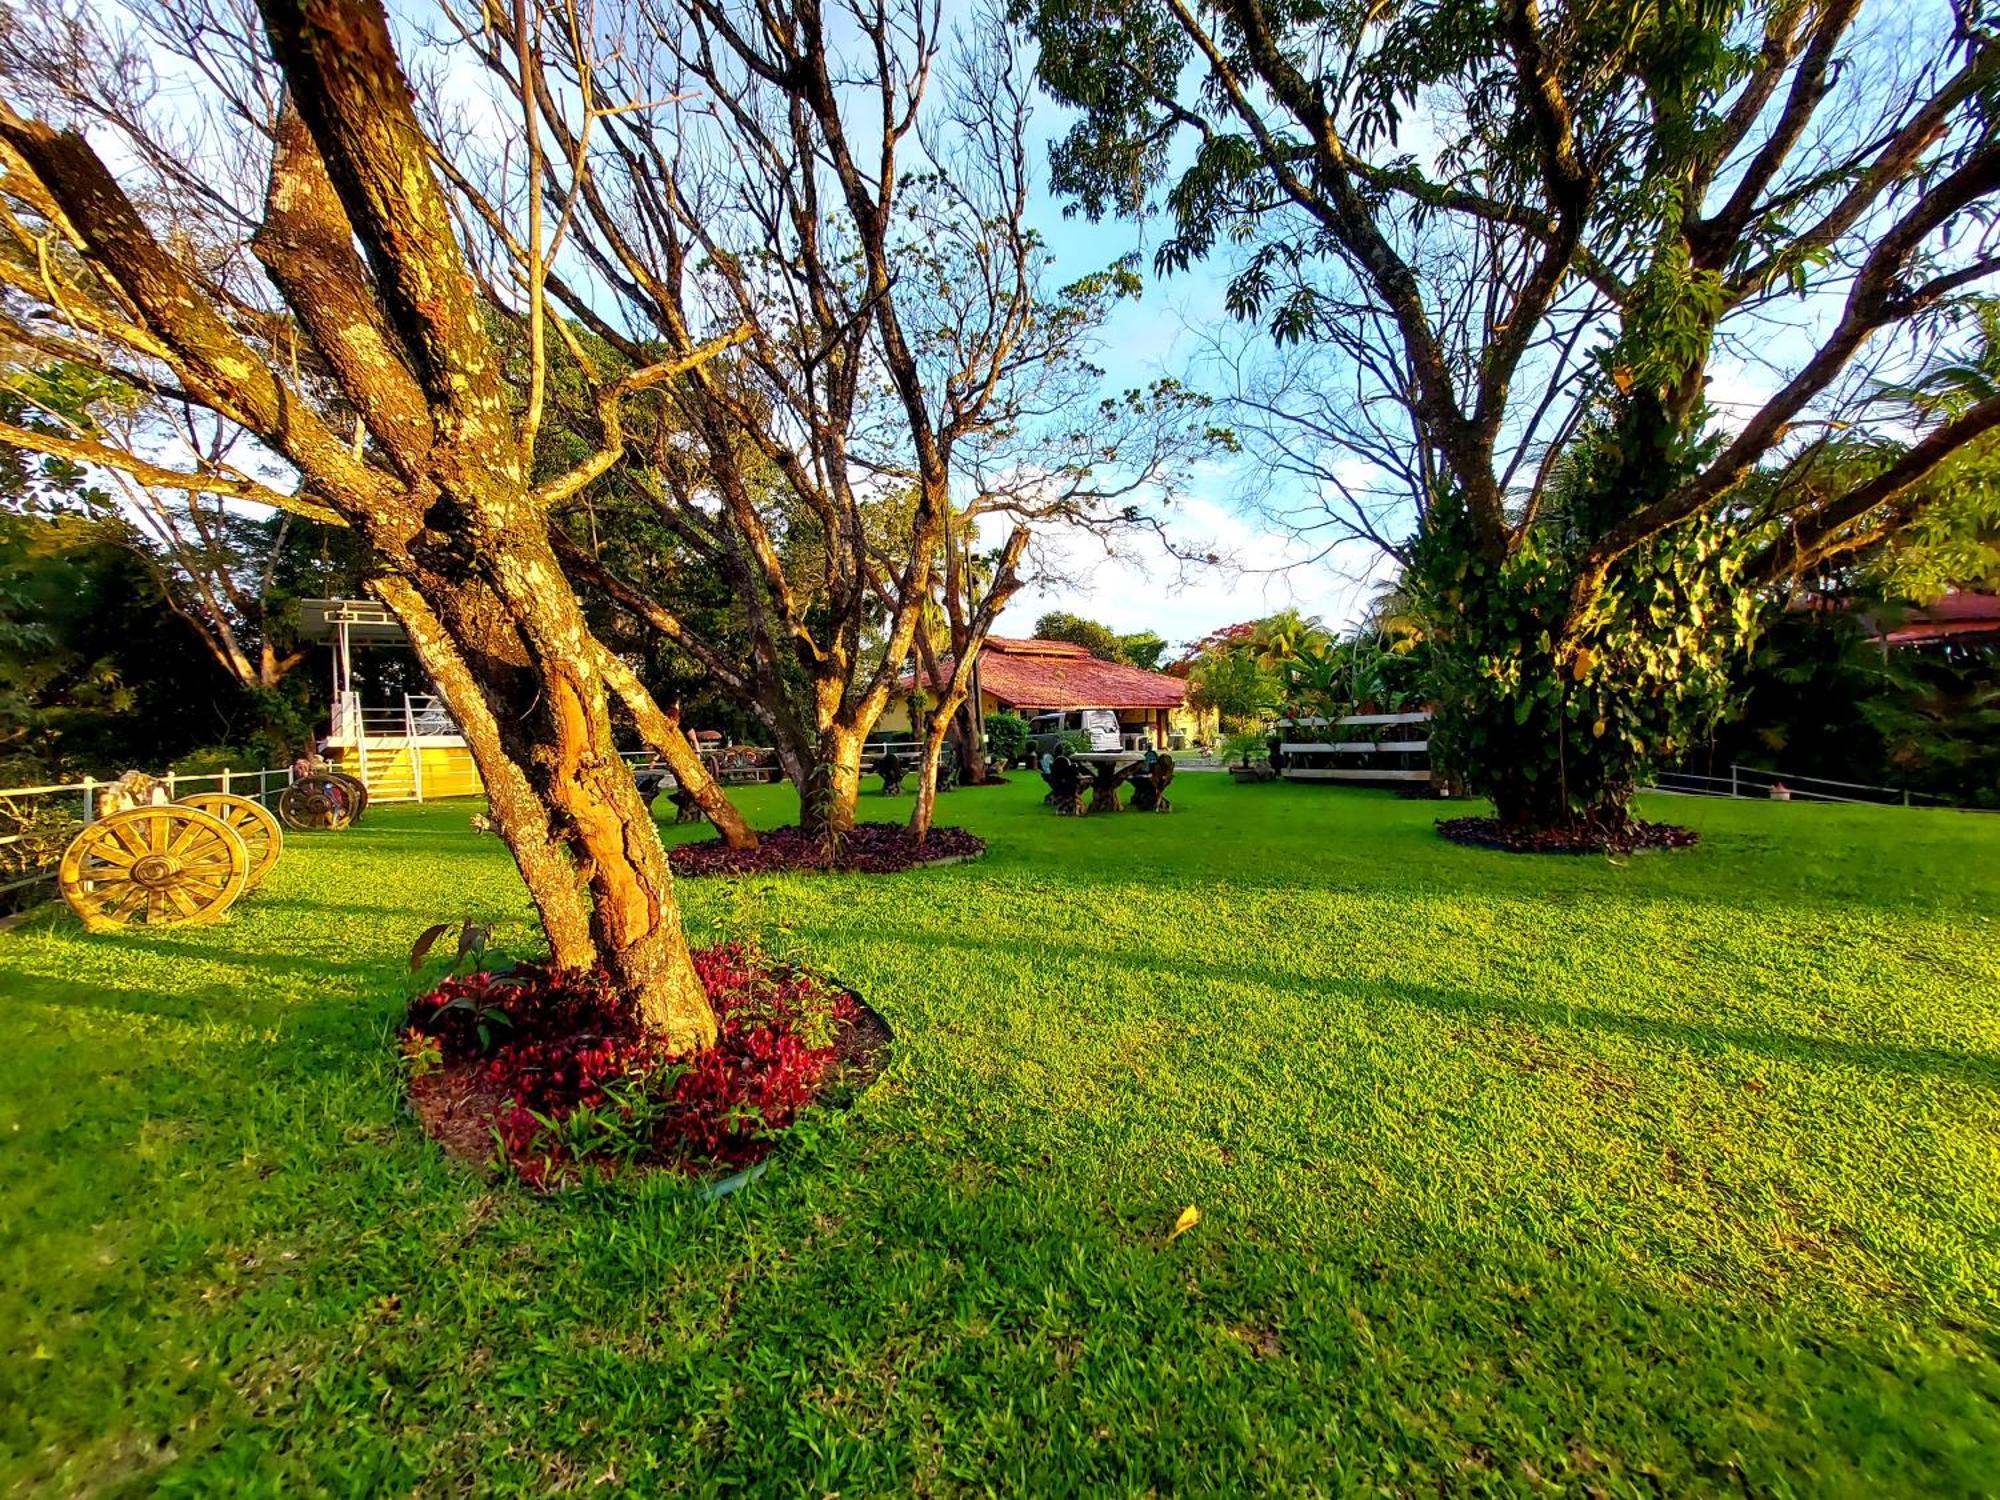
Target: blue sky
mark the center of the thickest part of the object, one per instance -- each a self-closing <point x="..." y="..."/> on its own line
<point x="1141" y="588"/>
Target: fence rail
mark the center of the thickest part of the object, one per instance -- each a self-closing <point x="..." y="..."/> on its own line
<point x="260" y="785"/>
<point x="1757" y="782"/>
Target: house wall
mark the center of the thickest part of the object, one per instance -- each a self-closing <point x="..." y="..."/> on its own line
<point x="896" y="717"/>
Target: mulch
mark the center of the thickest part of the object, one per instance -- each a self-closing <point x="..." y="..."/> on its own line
<point x="1629" y="837"/>
<point x="867" y="849"/>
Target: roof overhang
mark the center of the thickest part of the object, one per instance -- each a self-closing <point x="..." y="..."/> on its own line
<point x="367" y="622"/>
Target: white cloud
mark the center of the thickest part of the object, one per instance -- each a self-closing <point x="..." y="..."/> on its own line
<point x="1142" y="587"/>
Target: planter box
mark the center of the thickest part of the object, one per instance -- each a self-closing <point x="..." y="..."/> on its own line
<point x="1253" y="773"/>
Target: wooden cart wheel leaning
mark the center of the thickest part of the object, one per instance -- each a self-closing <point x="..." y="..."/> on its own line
<point x="357" y="790"/>
<point x="319" y="802"/>
<point x="254" y="823"/>
<point x="164" y="866"/>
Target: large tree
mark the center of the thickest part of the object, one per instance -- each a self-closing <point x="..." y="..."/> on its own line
<point x="333" y="319"/>
<point x="1545" y="285"/>
<point x="850" y="183"/>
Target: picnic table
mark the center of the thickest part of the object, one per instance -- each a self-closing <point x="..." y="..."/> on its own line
<point x="1148" y="772"/>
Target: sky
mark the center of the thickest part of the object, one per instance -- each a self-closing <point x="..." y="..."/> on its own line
<point x="1142" y="588"/>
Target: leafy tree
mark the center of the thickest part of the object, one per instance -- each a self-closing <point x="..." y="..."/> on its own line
<point x="1101" y="641"/>
<point x="94" y="677"/>
<point x="1142" y="649"/>
<point x="1823" y="697"/>
<point x="1233" y="684"/>
<point x="1502" y="251"/>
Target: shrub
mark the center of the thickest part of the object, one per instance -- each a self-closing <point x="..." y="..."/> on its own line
<point x="575" y="1080"/>
<point x="1006" y="736"/>
<point x="1245" y="746"/>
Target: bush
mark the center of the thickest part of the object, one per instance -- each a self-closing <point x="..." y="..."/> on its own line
<point x="575" y="1081"/>
<point x="38" y="829"/>
<point x="213" y="760"/>
<point x="1246" y="746"/>
<point x="1006" y="737"/>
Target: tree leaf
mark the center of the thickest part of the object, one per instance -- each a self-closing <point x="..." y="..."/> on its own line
<point x="426" y="940"/>
<point x="1190" y="1216"/>
<point x="735" y="1182"/>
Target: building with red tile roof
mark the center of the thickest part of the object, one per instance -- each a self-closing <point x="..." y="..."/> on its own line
<point x="1030" y="677"/>
<point x="1966" y="618"/>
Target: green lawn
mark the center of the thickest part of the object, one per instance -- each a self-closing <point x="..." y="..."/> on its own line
<point x="1668" y="1175"/>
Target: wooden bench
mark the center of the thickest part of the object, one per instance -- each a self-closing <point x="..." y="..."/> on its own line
<point x="896" y="761"/>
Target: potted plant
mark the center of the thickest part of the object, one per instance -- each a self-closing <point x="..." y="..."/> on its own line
<point x="1246" y="753"/>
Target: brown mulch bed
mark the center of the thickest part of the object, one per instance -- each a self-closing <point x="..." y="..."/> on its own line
<point x="1583" y="838"/>
<point x="868" y="849"/>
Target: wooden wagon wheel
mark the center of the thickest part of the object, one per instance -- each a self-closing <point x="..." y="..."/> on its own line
<point x="358" y="791"/>
<point x="254" y="823"/>
<point x="319" y="803"/>
<point x="160" y="866"/>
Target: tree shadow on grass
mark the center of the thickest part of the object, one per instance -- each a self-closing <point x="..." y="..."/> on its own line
<point x="1666" y="1034"/>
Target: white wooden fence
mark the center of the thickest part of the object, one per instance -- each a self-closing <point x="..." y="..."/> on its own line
<point x="1353" y="756"/>
<point x="263" y="785"/>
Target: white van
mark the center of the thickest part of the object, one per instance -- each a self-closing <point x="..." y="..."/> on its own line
<point x="1045" y="731"/>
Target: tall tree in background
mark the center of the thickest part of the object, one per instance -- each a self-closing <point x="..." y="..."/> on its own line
<point x="372" y="374"/>
<point x="1503" y="251"/>
<point x="850" y="184"/>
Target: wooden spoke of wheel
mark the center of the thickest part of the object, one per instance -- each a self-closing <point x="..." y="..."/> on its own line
<point x="254" y="823"/>
<point x="162" y="866"/>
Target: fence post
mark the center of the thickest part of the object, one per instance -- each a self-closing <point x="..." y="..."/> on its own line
<point x="89" y="800"/>
<point x="170" y="786"/>
<point x="225" y="781"/>
<point x="1732" y="780"/>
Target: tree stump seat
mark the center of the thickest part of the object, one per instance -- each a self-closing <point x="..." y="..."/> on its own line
<point x="1149" y="786"/>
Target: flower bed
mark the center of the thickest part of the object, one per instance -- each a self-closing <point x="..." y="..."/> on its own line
<point x="866" y="849"/>
<point x="1626" y="838"/>
<point x="551" y="1065"/>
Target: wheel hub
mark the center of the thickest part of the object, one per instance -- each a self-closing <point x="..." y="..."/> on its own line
<point x="155" y="871"/>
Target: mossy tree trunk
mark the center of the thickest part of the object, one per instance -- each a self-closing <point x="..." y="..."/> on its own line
<point x="455" y="535"/>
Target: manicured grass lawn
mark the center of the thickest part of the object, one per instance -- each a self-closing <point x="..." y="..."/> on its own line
<point x="1673" y="1175"/>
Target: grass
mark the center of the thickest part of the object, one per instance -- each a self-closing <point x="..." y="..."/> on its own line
<point x="1670" y="1175"/>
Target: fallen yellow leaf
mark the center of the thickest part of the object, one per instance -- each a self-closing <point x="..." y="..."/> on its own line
<point x="1190" y="1216"/>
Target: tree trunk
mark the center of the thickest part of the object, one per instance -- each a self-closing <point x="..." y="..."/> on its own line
<point x="564" y="800"/>
<point x="457" y="538"/>
<point x="662" y="733"/>
<point x="971" y="739"/>
<point x="927" y="769"/>
<point x="833" y="782"/>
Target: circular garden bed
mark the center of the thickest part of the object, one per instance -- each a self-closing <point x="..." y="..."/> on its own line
<point x="1582" y="838"/>
<point x="866" y="849"/>
<point x="545" y="1072"/>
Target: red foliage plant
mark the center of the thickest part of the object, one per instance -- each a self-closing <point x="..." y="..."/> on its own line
<point x="571" y="1079"/>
